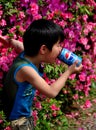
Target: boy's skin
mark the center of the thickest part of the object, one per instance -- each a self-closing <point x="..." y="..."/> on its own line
<point x="44" y="55"/>
<point x="14" y="43"/>
<point x="41" y="42"/>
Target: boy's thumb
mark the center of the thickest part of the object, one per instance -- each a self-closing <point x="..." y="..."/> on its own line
<point x="76" y="62"/>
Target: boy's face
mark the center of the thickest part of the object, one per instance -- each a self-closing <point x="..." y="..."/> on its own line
<point x="51" y="56"/>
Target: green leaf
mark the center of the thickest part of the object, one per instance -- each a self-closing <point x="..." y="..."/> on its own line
<point x="93" y="85"/>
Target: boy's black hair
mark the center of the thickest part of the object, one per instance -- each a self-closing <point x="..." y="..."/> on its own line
<point x="41" y="32"/>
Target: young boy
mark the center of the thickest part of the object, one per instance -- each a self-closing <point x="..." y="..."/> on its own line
<point x="41" y="43"/>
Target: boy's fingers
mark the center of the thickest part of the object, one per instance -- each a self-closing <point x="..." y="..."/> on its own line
<point x="76" y="62"/>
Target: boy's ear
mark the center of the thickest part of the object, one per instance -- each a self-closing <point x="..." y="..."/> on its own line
<point x="43" y="49"/>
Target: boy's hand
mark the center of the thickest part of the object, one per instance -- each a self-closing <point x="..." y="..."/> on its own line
<point x="17" y="45"/>
<point x="74" y="68"/>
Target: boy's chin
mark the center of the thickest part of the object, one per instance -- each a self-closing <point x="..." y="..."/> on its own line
<point x="50" y="62"/>
<point x="53" y="62"/>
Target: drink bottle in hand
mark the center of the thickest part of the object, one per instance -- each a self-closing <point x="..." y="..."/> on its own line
<point x="69" y="57"/>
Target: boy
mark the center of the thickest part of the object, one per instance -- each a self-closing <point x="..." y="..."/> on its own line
<point x="41" y="43"/>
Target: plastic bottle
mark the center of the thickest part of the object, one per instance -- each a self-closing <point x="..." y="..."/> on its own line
<point x="69" y="57"/>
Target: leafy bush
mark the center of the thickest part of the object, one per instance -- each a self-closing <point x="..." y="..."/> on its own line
<point x="78" y="20"/>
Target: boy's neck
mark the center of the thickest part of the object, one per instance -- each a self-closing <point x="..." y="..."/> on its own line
<point x="35" y="60"/>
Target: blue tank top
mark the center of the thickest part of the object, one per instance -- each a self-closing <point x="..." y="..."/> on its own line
<point x="23" y="92"/>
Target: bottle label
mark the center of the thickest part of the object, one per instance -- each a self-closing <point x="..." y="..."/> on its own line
<point x="68" y="57"/>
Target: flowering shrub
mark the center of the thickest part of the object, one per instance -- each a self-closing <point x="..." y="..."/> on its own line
<point x="77" y="18"/>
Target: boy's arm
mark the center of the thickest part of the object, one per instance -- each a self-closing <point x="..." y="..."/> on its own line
<point x="14" y="43"/>
<point x="30" y="75"/>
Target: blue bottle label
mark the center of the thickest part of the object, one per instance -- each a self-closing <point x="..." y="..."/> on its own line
<point x="68" y="57"/>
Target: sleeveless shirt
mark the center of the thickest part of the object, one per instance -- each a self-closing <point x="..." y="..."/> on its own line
<point x="18" y="96"/>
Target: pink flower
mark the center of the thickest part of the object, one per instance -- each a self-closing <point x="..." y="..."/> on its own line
<point x="87" y="104"/>
<point x="37" y="16"/>
<point x="82" y="77"/>
<point x="65" y="91"/>
<point x="84" y="40"/>
<point x="34" y="114"/>
<point x="52" y="81"/>
<point x="1" y="74"/>
<point x="87" y="64"/>
<point x="75" y="97"/>
<point x="85" y="31"/>
<point x="21" y="29"/>
<point x="12" y="30"/>
<point x="2" y="22"/>
<point x="38" y="105"/>
<point x="0" y="32"/>
<point x="1" y="121"/>
<point x="1" y="12"/>
<point x="5" y="67"/>
<point x="85" y="17"/>
<point x="21" y="15"/>
<point x="89" y="26"/>
<point x="54" y="114"/>
<point x="86" y="89"/>
<point x="7" y="128"/>
<point x="94" y="100"/>
<point x="50" y="15"/>
<point x="1" y="6"/>
<point x="34" y="8"/>
<point x="53" y="107"/>
<point x="94" y="48"/>
<point x="79" y="86"/>
<point x="72" y="76"/>
<point x="66" y="15"/>
<point x="37" y="93"/>
<point x="12" y="18"/>
<point x="93" y="38"/>
<point x="62" y="23"/>
<point x="35" y="99"/>
<point x="87" y="47"/>
<point x="72" y="115"/>
<point x="71" y="34"/>
<point x="46" y="78"/>
<point x="80" y="128"/>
